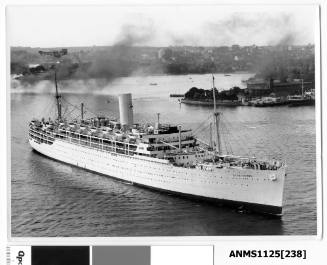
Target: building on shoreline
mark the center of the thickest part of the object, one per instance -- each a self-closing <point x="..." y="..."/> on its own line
<point x="261" y="87"/>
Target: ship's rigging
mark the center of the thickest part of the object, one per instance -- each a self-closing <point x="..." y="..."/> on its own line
<point x="212" y="145"/>
<point x="58" y="98"/>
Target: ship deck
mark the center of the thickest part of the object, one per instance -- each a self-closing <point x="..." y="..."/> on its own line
<point x="127" y="148"/>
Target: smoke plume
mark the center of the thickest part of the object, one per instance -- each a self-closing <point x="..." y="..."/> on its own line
<point x="131" y="34"/>
<point x="119" y="59"/>
<point x="255" y="28"/>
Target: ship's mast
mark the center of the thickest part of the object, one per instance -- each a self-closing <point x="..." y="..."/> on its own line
<point x="158" y="119"/>
<point x="210" y="142"/>
<point x="216" y="116"/>
<point x="58" y="98"/>
<point x="82" y="112"/>
<point x="180" y="138"/>
<point x="302" y="87"/>
<point x="214" y="94"/>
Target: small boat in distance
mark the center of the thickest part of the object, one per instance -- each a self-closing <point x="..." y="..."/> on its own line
<point x="269" y="102"/>
<point x="307" y="98"/>
<point x="176" y="95"/>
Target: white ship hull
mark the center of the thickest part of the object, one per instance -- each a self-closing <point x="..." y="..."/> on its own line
<point x="260" y="190"/>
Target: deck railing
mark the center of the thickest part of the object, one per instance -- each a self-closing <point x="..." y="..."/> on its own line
<point x="85" y="140"/>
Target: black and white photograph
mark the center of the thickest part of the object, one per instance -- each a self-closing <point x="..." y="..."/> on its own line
<point x="163" y="120"/>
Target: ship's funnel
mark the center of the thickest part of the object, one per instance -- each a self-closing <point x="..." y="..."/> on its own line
<point x="126" y="109"/>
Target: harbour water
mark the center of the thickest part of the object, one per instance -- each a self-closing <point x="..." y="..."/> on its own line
<point x="49" y="198"/>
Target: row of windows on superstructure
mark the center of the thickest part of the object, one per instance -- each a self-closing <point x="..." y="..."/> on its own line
<point x="120" y="154"/>
<point x="162" y="178"/>
<point x="41" y="138"/>
<point x="89" y="157"/>
<point x="119" y="160"/>
<point x="186" y="157"/>
<point x="99" y="149"/>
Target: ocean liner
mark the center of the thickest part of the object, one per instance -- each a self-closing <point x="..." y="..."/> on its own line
<point x="162" y="157"/>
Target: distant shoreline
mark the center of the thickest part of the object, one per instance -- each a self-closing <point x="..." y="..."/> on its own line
<point x="28" y="79"/>
<point x="210" y="103"/>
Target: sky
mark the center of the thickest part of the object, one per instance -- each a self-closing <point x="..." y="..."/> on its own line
<point x="196" y="25"/>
